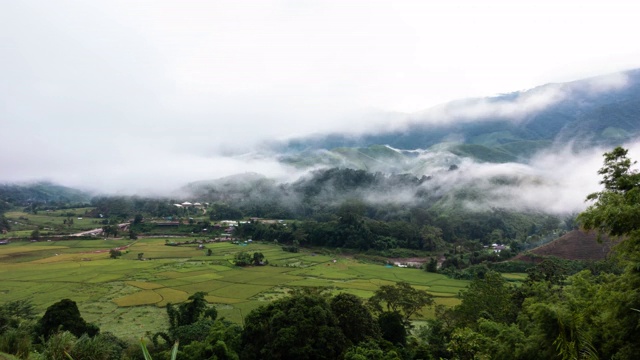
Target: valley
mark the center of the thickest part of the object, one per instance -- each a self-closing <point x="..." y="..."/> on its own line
<point x="458" y="234"/>
<point x="127" y="296"/>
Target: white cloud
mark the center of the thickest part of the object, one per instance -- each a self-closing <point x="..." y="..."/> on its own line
<point x="88" y="85"/>
<point x="481" y="109"/>
<point x="607" y="83"/>
<point x="557" y="181"/>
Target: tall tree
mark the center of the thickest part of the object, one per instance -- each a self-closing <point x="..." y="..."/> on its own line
<point x="64" y="315"/>
<point x="489" y="298"/>
<point x="190" y="311"/>
<point x="300" y="327"/>
<point x="401" y="298"/>
<point x="615" y="211"/>
<point x="354" y="318"/>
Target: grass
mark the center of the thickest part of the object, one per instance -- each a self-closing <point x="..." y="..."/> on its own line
<point x="23" y="223"/>
<point x="145" y="297"/>
<point x="4" y="356"/>
<point x="515" y="277"/>
<point x="127" y="295"/>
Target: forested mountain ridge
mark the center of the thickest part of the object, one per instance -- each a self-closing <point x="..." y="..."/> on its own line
<point x="43" y="193"/>
<point x="506" y="128"/>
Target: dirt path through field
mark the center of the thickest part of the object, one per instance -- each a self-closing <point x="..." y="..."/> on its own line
<point x="97" y="231"/>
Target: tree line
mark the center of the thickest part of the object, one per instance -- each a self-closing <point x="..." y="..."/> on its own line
<point x="308" y="324"/>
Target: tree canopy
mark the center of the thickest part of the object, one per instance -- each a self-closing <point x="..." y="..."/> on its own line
<point x="401" y="298"/>
<point x="64" y="315"/>
<point x="616" y="209"/>
<point x="299" y="327"/>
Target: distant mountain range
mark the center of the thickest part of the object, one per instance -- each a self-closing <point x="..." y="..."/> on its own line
<point x="451" y="155"/>
<point x="43" y="193"/>
<point x="512" y="127"/>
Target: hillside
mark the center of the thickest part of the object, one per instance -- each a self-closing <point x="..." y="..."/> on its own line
<point x="575" y="245"/>
<point x="41" y="193"/>
<point x="506" y="128"/>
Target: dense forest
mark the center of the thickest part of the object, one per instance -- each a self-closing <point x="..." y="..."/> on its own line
<point x="352" y="209"/>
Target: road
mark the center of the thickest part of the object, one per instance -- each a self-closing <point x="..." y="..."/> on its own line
<point x="98" y="231"/>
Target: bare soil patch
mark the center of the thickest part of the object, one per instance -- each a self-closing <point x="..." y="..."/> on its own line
<point x="575" y="245"/>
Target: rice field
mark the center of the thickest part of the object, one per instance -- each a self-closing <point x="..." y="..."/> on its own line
<point x="127" y="296"/>
<point x="23" y="223"/>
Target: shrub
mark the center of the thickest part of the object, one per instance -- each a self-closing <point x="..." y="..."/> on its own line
<point x="16" y="341"/>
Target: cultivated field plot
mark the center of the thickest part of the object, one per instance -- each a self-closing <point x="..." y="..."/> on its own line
<point x="128" y="295"/>
<point x="51" y="221"/>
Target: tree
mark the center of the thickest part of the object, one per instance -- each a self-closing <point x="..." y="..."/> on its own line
<point x="132" y="235"/>
<point x="35" y="234"/>
<point x="617" y="175"/>
<point x="20" y="309"/>
<point x="110" y="230"/>
<point x="189" y="321"/>
<point x="242" y="259"/>
<point x="140" y="256"/>
<point x="467" y="344"/>
<point x="432" y="238"/>
<point x="16" y="327"/>
<point x="432" y="266"/>
<point x="393" y="327"/>
<point x="190" y="311"/>
<point x="68" y="221"/>
<point x="103" y="346"/>
<point x="354" y="318"/>
<point x="615" y="211"/>
<point x="59" y="344"/>
<point x="224" y="212"/>
<point x="489" y="298"/>
<point x="115" y="253"/>
<point x="138" y="219"/>
<point x="401" y="298"/>
<point x="301" y="327"/>
<point x="550" y="270"/>
<point x="258" y="257"/>
<point x="4" y="223"/>
<point x="222" y="343"/>
<point x="64" y="315"/>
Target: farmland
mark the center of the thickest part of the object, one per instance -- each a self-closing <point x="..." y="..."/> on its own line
<point x="127" y="295"/>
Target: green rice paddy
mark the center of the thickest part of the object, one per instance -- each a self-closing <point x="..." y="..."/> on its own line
<point x="127" y="296"/>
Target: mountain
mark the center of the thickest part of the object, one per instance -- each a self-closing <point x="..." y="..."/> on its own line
<point x="507" y="128"/>
<point x="517" y="152"/>
<point x="42" y="193"/>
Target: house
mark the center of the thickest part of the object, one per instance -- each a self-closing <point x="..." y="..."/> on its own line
<point x="497" y="248"/>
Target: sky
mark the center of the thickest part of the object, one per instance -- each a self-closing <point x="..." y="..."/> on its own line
<point x="130" y="95"/>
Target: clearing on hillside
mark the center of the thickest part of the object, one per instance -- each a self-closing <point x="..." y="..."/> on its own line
<point x="575" y="245"/>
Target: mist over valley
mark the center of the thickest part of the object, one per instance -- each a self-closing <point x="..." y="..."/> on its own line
<point x="319" y="180"/>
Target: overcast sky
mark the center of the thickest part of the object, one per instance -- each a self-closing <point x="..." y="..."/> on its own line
<point x="116" y="93"/>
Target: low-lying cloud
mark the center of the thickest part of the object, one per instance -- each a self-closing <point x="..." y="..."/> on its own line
<point x="488" y="108"/>
<point x="517" y="106"/>
<point x="145" y="96"/>
<point x="555" y="181"/>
